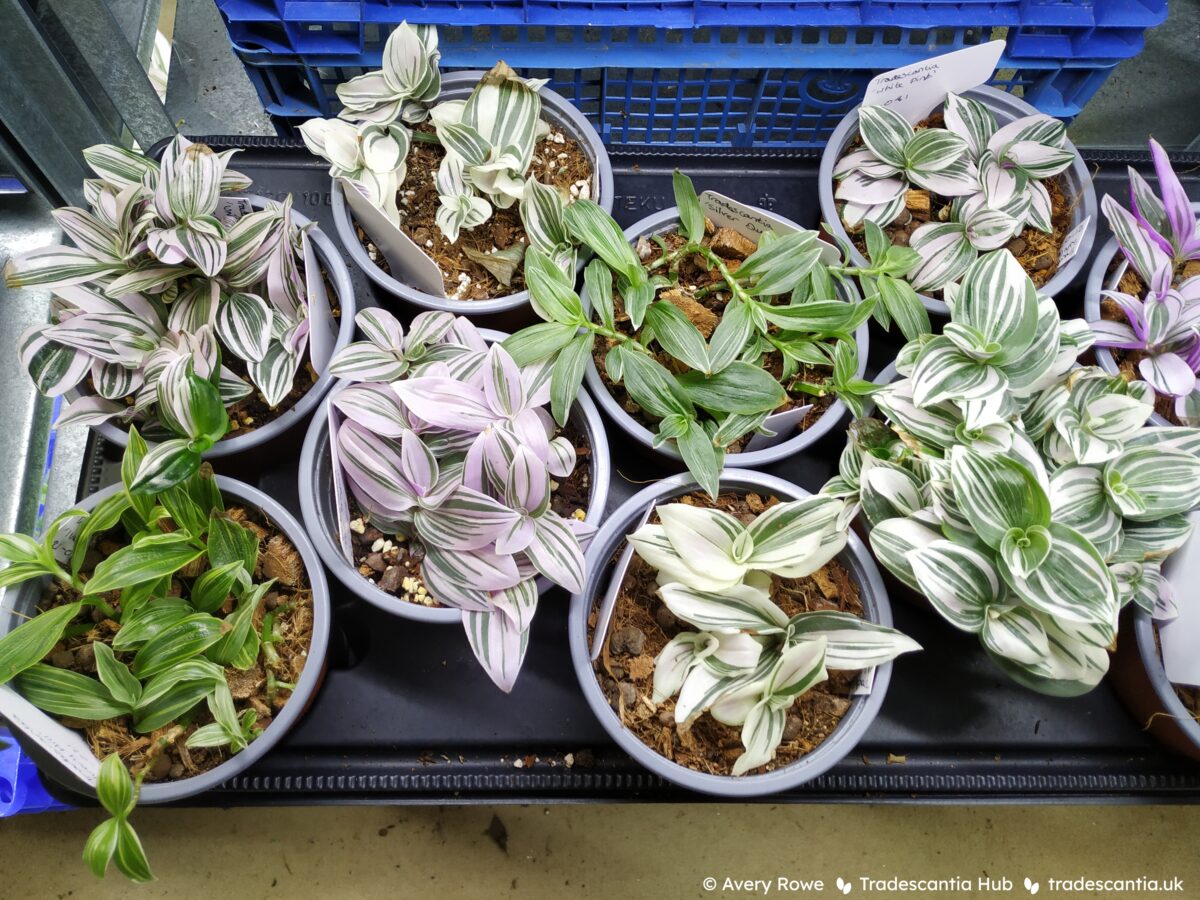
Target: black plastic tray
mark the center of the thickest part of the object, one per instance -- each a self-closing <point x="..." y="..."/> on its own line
<point x="405" y="715"/>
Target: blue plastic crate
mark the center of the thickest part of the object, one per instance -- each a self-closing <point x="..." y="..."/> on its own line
<point x="718" y="105"/>
<point x="21" y="789"/>
<point x="337" y="27"/>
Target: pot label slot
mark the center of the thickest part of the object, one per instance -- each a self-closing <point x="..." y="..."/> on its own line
<point x="1180" y="636"/>
<point x="230" y="209"/>
<point x="321" y="331"/>
<point x="1072" y="241"/>
<point x="408" y="262"/>
<point x="61" y="742"/>
<point x="914" y="90"/>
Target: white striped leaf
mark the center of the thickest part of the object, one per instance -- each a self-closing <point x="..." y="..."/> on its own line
<point x="743" y="607"/>
<point x="886" y="133"/>
<point x="702" y="688"/>
<point x="1144" y="254"/>
<point x="1024" y="549"/>
<point x="1153" y="540"/>
<point x="54" y="368"/>
<point x="1041" y="128"/>
<point x="243" y="325"/>
<point x="733" y="706"/>
<point x="701" y="542"/>
<point x="146" y="279"/>
<point x="934" y="424"/>
<point x="888" y="491"/>
<point x="1038" y="160"/>
<point x="999" y="299"/>
<point x="1148" y="483"/>
<point x="786" y="536"/>
<point x="945" y="255"/>
<point x="1116" y="417"/>
<point x="732" y="654"/>
<point x="932" y="150"/>
<point x="761" y="735"/>
<point x="851" y="643"/>
<point x="863" y="160"/>
<point x="996" y="494"/>
<point x="1036" y="367"/>
<point x="274" y="374"/>
<point x="961" y="583"/>
<point x="999" y="184"/>
<point x="555" y="552"/>
<point x="1078" y="498"/>
<point x="374" y="406"/>
<point x="799" y="668"/>
<point x="1015" y="633"/>
<point x="1139" y="583"/>
<point x="892" y="542"/>
<point x="466" y="520"/>
<point x="960" y="178"/>
<point x="677" y="335"/>
<point x="945" y="372"/>
<point x="1072" y="583"/>
<point x="498" y="645"/>
<point x="113" y="381"/>
<point x="90" y="411"/>
<point x="476" y="569"/>
<point x="505" y="109"/>
<point x="89" y="234"/>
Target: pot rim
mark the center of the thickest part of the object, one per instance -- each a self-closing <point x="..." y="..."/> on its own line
<point x="830" y="419"/>
<point x="840" y="742"/>
<point x="317" y="438"/>
<point x="556" y="110"/>
<point x="1086" y="205"/>
<point x="339" y="277"/>
<point x="1144" y="631"/>
<point x="306" y="685"/>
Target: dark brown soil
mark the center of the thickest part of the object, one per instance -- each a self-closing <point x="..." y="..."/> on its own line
<point x="392" y="564"/>
<point x="694" y="280"/>
<point x="642" y="625"/>
<point x="1036" y="251"/>
<point x="291" y="602"/>
<point x="558" y="161"/>
<point x="1127" y="360"/>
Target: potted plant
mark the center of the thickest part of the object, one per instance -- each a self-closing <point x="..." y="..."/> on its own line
<point x="984" y="171"/>
<point x="177" y="635"/>
<point x="167" y="278"/>
<point x="708" y="340"/>
<point x="726" y="651"/>
<point x="1143" y="292"/>
<point x="439" y="488"/>
<point x="469" y="169"/>
<point x="1020" y="494"/>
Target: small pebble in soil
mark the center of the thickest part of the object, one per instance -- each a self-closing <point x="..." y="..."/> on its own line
<point x="628" y="693"/>
<point x="665" y="618"/>
<point x="792" y="726"/>
<point x="63" y="659"/>
<point x="627" y="640"/>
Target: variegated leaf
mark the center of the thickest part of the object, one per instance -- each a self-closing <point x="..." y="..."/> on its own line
<point x="743" y="607"/>
<point x="1072" y="583"/>
<point x="961" y="583"/>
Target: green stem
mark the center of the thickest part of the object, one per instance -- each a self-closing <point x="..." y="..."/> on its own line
<point x="615" y="335"/>
<point x="426" y="137"/>
<point x="98" y="602"/>
<point x="269" y="638"/>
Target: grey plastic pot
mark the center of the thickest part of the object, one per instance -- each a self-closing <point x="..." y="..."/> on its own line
<point x="339" y="277"/>
<point x="1137" y="670"/>
<point x="863" y="709"/>
<point x="1006" y="108"/>
<point x="320" y="516"/>
<point x="1099" y="279"/>
<point x="458" y="86"/>
<point x="28" y="595"/>
<point x="660" y="223"/>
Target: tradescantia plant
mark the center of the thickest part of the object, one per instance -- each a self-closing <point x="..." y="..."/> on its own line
<point x="177" y="608"/>
<point x="747" y="662"/>
<point x="488" y="138"/>
<point x="447" y="443"/>
<point x="992" y="175"/>
<point x="782" y="306"/>
<point x="158" y="294"/>
<point x="1158" y="238"/>
<point x="1023" y="496"/>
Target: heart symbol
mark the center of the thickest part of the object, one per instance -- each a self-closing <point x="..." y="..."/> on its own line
<point x="1032" y="886"/>
<point x="844" y="886"/>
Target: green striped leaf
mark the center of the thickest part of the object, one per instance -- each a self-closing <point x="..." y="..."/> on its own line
<point x="996" y="494"/>
<point x="761" y="735"/>
<point x="172" y="692"/>
<point x="30" y="641"/>
<point x="961" y="583"/>
<point x="892" y="542"/>
<point x="851" y="643"/>
<point x="677" y="335"/>
<point x="148" y="620"/>
<point x="1148" y="483"/>
<point x="1077" y="496"/>
<point x="244" y="325"/>
<point x="147" y="558"/>
<point x="238" y="646"/>
<point x="1072" y="583"/>
<point x="566" y="375"/>
<point x="740" y="388"/>
<point x="944" y="372"/>
<point x="67" y="693"/>
<point x="185" y="639"/>
<point x="229" y="542"/>
<point x="780" y="265"/>
<point x="274" y="373"/>
<point x="213" y="586"/>
<point x="1016" y="634"/>
<point x="691" y="216"/>
<point x="592" y="226"/>
<point x="115" y="675"/>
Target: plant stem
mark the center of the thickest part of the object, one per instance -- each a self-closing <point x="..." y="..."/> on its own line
<point x="426" y="137"/>
<point x="156" y="750"/>
<point x="269" y="638"/>
<point x="98" y="602"/>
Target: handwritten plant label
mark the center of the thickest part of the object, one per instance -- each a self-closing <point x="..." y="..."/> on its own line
<point x="322" y="332"/>
<point x="341" y="506"/>
<point x="866" y="681"/>
<point x="751" y="221"/>
<point x="1180" y="636"/>
<point x="1072" y="241"/>
<point x="914" y="90"/>
<point x="230" y="209"/>
<point x="407" y="261"/>
<point x="67" y="746"/>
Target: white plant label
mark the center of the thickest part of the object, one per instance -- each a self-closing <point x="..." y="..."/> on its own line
<point x="914" y="90"/>
<point x="408" y="262"/>
<point x="751" y="221"/>
<point x="230" y="209"/>
<point x="341" y="507"/>
<point x="1071" y="243"/>
<point x="866" y="681"/>
<point x="65" y="745"/>
<point x="1180" y="636"/>
<point x="321" y="330"/>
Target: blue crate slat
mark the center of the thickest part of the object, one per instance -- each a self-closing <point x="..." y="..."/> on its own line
<point x="718" y="106"/>
<point x="21" y="789"/>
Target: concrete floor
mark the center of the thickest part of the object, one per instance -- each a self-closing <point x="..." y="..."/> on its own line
<point x="605" y="851"/>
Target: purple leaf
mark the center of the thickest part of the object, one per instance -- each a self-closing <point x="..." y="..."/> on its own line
<point x="417" y="463"/>
<point x="466" y="520"/>
<point x="1168" y="373"/>
<point x="502" y="384"/>
<point x="555" y="552"/>
<point x="561" y="461"/>
<point x="481" y="570"/>
<point x="374" y="406"/>
<point x="1175" y="200"/>
<point x="498" y="645"/>
<point x="446" y="403"/>
<point x="373" y="464"/>
<point x="517" y="536"/>
<point x="381" y="328"/>
<point x="448" y="593"/>
<point x="528" y="485"/>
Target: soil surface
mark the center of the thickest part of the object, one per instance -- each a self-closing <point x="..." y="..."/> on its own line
<point x="558" y="161"/>
<point x="704" y="309"/>
<point x="1127" y="360"/>
<point x="392" y="563"/>
<point x="642" y="625"/>
<point x="289" y="602"/>
<point x="1035" y="250"/>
